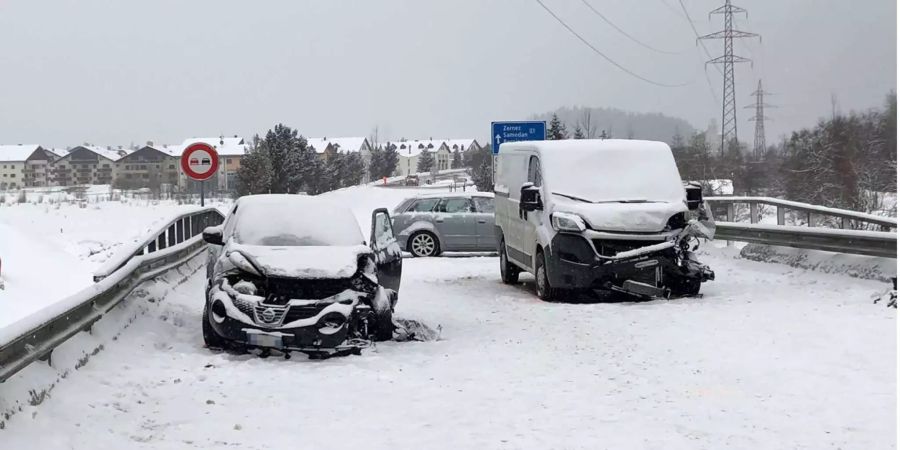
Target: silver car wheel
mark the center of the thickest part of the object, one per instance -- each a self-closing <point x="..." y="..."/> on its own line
<point x="423" y="245"/>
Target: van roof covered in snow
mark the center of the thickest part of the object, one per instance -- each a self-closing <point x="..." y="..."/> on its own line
<point x="606" y="170"/>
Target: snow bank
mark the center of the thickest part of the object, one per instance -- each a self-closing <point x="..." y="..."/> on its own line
<point x="857" y="266"/>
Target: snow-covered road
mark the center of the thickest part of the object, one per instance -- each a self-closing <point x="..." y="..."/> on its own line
<point x="771" y="357"/>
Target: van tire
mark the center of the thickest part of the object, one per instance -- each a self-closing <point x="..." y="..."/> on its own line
<point x="424" y="243"/>
<point x="509" y="272"/>
<point x="542" y="286"/>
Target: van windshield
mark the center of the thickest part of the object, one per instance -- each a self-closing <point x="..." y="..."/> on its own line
<point x="626" y="173"/>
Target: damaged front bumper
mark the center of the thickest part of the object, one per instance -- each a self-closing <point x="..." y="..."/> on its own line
<point x="335" y="324"/>
<point x="640" y="265"/>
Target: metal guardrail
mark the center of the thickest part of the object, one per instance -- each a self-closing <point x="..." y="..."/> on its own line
<point x="782" y="206"/>
<point x="840" y="240"/>
<point x="854" y="242"/>
<point x="167" y="248"/>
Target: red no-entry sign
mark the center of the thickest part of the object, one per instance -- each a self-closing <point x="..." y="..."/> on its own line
<point x="199" y="161"/>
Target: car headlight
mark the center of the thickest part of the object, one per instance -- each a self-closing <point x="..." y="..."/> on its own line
<point x="567" y="222"/>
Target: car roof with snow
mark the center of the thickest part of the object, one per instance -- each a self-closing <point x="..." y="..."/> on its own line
<point x="289" y="219"/>
<point x="454" y="194"/>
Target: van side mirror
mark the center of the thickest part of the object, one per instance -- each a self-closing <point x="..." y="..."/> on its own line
<point x="694" y="196"/>
<point x="530" y="198"/>
<point x="213" y="235"/>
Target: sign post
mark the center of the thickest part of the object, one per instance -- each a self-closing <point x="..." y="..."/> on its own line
<point x="199" y="161"/>
<point x="515" y="131"/>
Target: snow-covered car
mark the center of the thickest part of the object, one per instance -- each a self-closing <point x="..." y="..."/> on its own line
<point x="294" y="273"/>
<point x="599" y="215"/>
<point x="433" y="223"/>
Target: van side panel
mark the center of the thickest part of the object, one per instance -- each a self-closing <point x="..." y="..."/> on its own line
<point x="512" y="171"/>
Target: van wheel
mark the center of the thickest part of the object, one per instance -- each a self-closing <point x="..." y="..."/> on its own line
<point x="542" y="286"/>
<point x="509" y="273"/>
<point x="424" y="243"/>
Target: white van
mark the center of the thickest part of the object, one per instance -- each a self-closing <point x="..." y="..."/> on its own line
<point x="598" y="215"/>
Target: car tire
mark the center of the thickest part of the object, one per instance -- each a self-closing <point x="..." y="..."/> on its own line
<point x="424" y="243"/>
<point x="686" y="287"/>
<point x="210" y="337"/>
<point x="384" y="325"/>
<point x="509" y="272"/>
<point x="542" y="286"/>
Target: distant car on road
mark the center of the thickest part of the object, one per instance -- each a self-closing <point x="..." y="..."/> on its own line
<point x="294" y="273"/>
<point x="411" y="180"/>
<point x="430" y="224"/>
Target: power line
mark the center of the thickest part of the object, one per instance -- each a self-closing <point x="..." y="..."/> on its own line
<point x="624" y="33"/>
<point x="602" y="55"/>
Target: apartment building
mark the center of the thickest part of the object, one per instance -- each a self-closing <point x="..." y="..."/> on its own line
<point x="86" y="165"/>
<point x="24" y="166"/>
<point x="148" y="167"/>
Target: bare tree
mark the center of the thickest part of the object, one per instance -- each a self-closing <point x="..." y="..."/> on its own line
<point x="586" y="124"/>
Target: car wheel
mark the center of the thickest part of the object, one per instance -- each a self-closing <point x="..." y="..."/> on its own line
<point x="687" y="287"/>
<point x="424" y="243"/>
<point x="210" y="337"/>
<point x="509" y="273"/>
<point x="542" y="286"/>
<point x="384" y="325"/>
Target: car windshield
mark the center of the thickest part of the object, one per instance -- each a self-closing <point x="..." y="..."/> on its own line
<point x="294" y="221"/>
<point x="623" y="173"/>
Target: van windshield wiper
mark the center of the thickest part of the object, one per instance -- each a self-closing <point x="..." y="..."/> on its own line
<point x="580" y="199"/>
<point x="573" y="197"/>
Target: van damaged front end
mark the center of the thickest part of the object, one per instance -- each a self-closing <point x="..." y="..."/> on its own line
<point x="643" y="264"/>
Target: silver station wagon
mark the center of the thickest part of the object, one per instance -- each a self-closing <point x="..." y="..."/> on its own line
<point x="430" y="224"/>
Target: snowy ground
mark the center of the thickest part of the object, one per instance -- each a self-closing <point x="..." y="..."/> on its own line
<point x="770" y="357"/>
<point x="49" y="251"/>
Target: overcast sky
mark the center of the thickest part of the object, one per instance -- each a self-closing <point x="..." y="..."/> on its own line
<point x="116" y="71"/>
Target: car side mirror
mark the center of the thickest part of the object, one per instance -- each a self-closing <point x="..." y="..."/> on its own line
<point x="213" y="235"/>
<point x="694" y="196"/>
<point x="530" y="198"/>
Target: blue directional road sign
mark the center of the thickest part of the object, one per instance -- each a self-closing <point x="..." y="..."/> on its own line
<point x="516" y="131"/>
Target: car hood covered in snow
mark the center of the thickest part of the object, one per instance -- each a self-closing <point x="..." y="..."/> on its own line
<point x="625" y="217"/>
<point x="306" y="262"/>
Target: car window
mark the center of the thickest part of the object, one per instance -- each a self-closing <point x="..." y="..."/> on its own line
<point x="424" y="205"/>
<point x="484" y="204"/>
<point x="229" y="224"/>
<point x="455" y="205"/>
<point x="534" y="171"/>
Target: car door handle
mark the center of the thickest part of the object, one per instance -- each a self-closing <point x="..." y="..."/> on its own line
<point x="439" y="220"/>
<point x="482" y="220"/>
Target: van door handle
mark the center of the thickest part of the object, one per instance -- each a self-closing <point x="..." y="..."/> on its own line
<point x="482" y="220"/>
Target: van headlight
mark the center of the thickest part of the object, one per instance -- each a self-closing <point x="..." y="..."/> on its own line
<point x="567" y="222"/>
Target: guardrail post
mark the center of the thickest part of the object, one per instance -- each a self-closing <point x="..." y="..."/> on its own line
<point x="845" y="223"/>
<point x="779" y="211"/>
<point x="729" y="212"/>
<point x="754" y="210"/>
<point x="808" y="219"/>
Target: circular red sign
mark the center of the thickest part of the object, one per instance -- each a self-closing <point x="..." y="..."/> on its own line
<point x="199" y="161"/>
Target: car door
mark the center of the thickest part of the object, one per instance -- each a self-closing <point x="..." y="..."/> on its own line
<point x="388" y="260"/>
<point x="484" y="223"/>
<point x="454" y="219"/>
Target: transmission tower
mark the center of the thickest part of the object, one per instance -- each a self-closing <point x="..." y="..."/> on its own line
<point x="727" y="60"/>
<point x="759" y="138"/>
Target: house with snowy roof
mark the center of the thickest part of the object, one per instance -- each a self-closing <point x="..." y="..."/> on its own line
<point x="410" y="150"/>
<point x="24" y="166"/>
<point x="153" y="166"/>
<point x="325" y="147"/>
<point x="86" y="164"/>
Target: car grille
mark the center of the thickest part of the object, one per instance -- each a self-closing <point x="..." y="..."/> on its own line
<point x="244" y="306"/>
<point x="281" y="290"/>
<point x="610" y="247"/>
<point x="269" y="315"/>
<point x="303" y="312"/>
